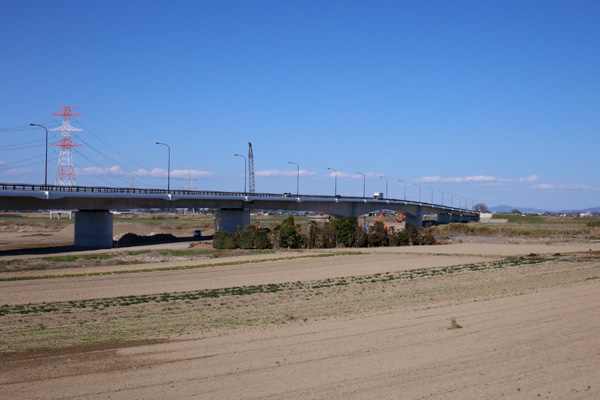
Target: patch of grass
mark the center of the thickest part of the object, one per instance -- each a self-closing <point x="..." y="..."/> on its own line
<point x="178" y="253"/>
<point x="138" y="252"/>
<point x="511" y="231"/>
<point x="69" y="258"/>
<point x="532" y="219"/>
<point x="133" y="271"/>
<point x="124" y="301"/>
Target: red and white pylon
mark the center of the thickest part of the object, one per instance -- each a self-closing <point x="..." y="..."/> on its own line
<point x="65" y="173"/>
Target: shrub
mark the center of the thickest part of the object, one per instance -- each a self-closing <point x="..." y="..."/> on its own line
<point x="224" y="240"/>
<point x="378" y="235"/>
<point x="290" y="234"/>
<point x="245" y="240"/>
<point x="411" y="232"/>
<point x="261" y="240"/>
<point x="426" y="237"/>
<point x="399" y="238"/>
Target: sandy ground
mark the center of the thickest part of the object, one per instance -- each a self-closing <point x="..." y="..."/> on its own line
<point x="528" y="330"/>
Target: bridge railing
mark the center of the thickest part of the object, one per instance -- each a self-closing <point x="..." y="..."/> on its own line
<point x="150" y="191"/>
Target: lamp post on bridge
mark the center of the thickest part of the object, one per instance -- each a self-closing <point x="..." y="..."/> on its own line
<point x="400" y="180"/>
<point x="364" y="184"/>
<point x="169" y="169"/>
<point x="335" y="179"/>
<point x="416" y="184"/>
<point x="386" y="185"/>
<point x="245" y="173"/>
<point x="297" y="178"/>
<point x="46" y="169"/>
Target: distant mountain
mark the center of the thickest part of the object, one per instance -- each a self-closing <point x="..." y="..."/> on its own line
<point x="507" y="209"/>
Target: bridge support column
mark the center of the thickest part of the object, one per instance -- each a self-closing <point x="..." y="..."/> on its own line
<point x="94" y="228"/>
<point x="416" y="220"/>
<point x="444" y="218"/>
<point x="228" y="220"/>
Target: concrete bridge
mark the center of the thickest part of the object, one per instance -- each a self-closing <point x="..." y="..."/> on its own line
<point x="94" y="221"/>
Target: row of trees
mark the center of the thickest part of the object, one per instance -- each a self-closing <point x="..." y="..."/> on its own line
<point x="344" y="232"/>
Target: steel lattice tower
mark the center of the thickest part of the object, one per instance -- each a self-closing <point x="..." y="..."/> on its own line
<point x="251" y="168"/>
<point x="65" y="173"/>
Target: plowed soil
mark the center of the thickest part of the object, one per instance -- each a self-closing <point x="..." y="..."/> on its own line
<point x="377" y="324"/>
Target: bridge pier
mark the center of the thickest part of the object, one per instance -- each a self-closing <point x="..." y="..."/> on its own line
<point x="416" y="219"/>
<point x="229" y="219"/>
<point x="444" y="218"/>
<point x="94" y="228"/>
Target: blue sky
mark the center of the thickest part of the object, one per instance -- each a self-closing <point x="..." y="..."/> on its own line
<point x="492" y="101"/>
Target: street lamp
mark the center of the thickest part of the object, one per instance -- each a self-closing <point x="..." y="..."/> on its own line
<point x="466" y="205"/>
<point x="416" y="184"/>
<point x="442" y="192"/>
<point x="46" y="170"/>
<point x="297" y="179"/>
<point x="431" y="194"/>
<point x="386" y="185"/>
<point x="400" y="180"/>
<point x="335" y="176"/>
<point x="245" y="173"/>
<point x="169" y="170"/>
<point x="364" y="184"/>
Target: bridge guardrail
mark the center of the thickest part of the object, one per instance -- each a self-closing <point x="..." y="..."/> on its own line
<point x="103" y="189"/>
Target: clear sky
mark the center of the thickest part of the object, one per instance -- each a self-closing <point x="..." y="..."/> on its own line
<point x="495" y="101"/>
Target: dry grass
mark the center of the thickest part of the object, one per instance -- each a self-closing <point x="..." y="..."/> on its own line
<point x="512" y="231"/>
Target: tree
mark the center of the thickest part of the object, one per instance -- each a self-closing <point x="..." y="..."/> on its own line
<point x="515" y="211"/>
<point x="314" y="235"/>
<point x="378" y="235"/>
<point x="411" y="231"/>
<point x="481" y="207"/>
<point x="346" y="230"/>
<point x="289" y="234"/>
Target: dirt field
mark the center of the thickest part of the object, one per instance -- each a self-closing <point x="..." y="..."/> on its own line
<point x="374" y="323"/>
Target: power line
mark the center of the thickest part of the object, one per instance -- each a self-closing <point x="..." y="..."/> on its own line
<point x="99" y="177"/>
<point x="21" y="128"/>
<point x="110" y="147"/>
<point x="2" y="167"/>
<point x="107" y="157"/>
<point x="20" y="148"/>
<point x="23" y="143"/>
<point x="25" y="159"/>
<point x="107" y="170"/>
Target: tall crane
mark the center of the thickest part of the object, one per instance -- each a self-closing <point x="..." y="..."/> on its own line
<point x="251" y="168"/>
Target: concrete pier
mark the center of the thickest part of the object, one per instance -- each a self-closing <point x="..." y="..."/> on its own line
<point x="416" y="218"/>
<point x="228" y="220"/>
<point x="94" y="228"/>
